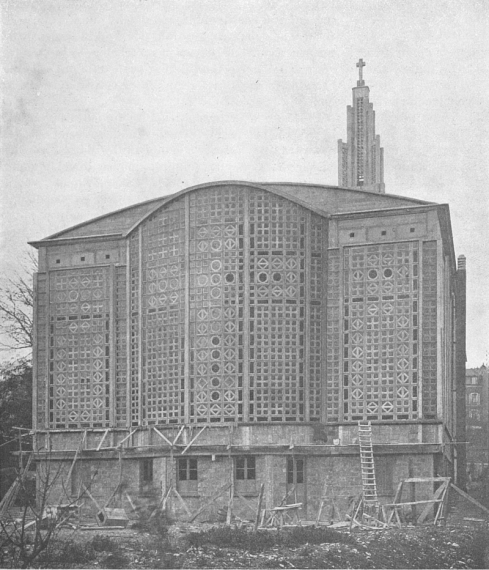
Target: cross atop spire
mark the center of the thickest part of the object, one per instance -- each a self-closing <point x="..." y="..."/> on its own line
<point x="361" y="64"/>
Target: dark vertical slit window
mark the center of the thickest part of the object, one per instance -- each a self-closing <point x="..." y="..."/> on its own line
<point x="147" y="470"/>
<point x="295" y="471"/>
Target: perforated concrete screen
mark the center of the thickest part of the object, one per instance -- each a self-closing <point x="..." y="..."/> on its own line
<point x="229" y="306"/>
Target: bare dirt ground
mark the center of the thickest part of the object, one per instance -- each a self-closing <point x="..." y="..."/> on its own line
<point x="463" y="542"/>
<point x="208" y="546"/>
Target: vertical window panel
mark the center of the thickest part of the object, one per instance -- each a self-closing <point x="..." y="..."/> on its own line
<point x="380" y="346"/>
<point x="79" y="348"/>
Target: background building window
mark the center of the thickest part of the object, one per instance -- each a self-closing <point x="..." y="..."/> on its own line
<point x="474" y="398"/>
<point x="475" y="415"/>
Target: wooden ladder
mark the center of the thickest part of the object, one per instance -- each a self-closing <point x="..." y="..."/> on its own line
<point x="369" y="483"/>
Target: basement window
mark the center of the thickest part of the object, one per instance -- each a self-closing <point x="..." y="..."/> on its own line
<point x="295" y="471"/>
<point x="411" y="230"/>
<point x="245" y="468"/>
<point x="383" y="232"/>
<point x="245" y="475"/>
<point x="146" y="477"/>
<point x="82" y="258"/>
<point x="187" y="481"/>
<point x="352" y="234"/>
<point x="107" y="256"/>
<point x="58" y="261"/>
<point x="384" y="471"/>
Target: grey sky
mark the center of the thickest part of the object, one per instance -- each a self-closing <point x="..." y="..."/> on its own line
<point x="108" y="103"/>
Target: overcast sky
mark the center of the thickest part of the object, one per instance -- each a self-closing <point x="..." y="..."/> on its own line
<point x="107" y="103"/>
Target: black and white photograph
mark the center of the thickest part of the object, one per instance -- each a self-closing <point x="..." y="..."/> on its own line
<point x="244" y="319"/>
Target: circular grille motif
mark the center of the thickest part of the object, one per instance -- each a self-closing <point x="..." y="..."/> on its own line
<point x="202" y="280"/>
<point x="216" y="313"/>
<point x="216" y="293"/>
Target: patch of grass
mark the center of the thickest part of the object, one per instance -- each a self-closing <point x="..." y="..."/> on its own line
<point x="154" y="524"/>
<point x="311" y="535"/>
<point x="62" y="554"/>
<point x="260" y="540"/>
<point x="104" y="544"/>
<point x="115" y="560"/>
<point x="167" y="560"/>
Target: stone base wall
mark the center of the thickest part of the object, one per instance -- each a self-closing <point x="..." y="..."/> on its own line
<point x="335" y="477"/>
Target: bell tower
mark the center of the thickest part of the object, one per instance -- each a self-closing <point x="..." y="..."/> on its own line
<point x="361" y="158"/>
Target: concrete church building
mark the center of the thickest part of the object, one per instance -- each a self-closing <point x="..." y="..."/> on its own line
<point x="236" y="332"/>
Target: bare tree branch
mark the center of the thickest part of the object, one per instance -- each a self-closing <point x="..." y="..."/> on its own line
<point x="16" y="307"/>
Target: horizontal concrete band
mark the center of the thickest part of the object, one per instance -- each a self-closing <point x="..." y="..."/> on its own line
<point x="225" y="451"/>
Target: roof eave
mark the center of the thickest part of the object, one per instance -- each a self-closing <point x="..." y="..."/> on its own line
<point x="73" y="239"/>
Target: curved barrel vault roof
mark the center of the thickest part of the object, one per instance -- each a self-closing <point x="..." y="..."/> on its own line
<point x="323" y="200"/>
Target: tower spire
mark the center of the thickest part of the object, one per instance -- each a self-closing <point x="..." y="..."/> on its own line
<point x="361" y="159"/>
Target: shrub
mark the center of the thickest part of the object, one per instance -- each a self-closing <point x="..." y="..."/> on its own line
<point x="154" y="524"/>
<point x="104" y="544"/>
<point x="263" y="539"/>
<point x="116" y="560"/>
<point x="66" y="554"/>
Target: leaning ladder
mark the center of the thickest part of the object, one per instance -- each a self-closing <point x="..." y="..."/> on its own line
<point x="369" y="483"/>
